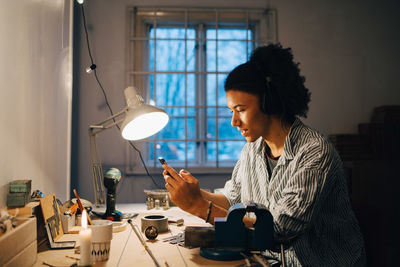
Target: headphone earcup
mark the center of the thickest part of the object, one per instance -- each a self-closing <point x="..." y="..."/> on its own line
<point x="262" y="102"/>
<point x="265" y="104"/>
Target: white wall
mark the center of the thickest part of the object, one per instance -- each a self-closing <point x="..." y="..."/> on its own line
<point x="348" y="52"/>
<point x="36" y="94"/>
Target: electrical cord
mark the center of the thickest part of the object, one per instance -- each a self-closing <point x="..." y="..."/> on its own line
<point x="93" y="68"/>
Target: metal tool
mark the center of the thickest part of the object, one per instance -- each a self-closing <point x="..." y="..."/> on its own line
<point x="229" y="239"/>
<point x="111" y="180"/>
<point x="139" y="236"/>
<point x="178" y="239"/>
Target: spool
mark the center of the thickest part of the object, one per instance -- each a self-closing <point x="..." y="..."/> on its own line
<point x="158" y="221"/>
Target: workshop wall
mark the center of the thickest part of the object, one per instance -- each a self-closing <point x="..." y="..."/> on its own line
<point x="36" y="94"/>
<point x="348" y="52"/>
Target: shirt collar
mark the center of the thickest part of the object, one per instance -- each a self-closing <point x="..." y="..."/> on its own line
<point x="290" y="141"/>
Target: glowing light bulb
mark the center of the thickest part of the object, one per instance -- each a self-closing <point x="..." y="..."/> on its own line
<point x="80" y="1"/>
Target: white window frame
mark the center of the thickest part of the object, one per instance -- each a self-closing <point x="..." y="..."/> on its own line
<point x="262" y="21"/>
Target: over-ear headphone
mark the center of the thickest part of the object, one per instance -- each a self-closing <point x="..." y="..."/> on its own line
<point x="269" y="100"/>
<point x="266" y="97"/>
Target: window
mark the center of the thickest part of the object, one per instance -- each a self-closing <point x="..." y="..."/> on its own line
<point x="179" y="59"/>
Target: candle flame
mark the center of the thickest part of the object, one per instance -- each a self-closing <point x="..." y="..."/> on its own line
<point x="84" y="219"/>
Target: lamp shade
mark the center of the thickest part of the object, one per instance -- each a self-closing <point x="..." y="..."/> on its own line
<point x="141" y="120"/>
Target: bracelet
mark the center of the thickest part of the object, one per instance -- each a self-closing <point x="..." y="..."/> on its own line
<point x="209" y="211"/>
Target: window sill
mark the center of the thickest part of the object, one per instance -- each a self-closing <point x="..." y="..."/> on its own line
<point x="192" y="170"/>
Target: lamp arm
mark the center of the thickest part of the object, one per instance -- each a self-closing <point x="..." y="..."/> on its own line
<point x="104" y="125"/>
<point x="97" y="171"/>
<point x="95" y="160"/>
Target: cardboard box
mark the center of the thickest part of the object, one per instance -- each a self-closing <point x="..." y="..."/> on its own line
<point x="21" y="186"/>
<point x="19" y="247"/>
<point x="17" y="199"/>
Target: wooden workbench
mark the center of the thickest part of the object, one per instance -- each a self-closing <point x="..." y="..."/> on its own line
<point x="126" y="249"/>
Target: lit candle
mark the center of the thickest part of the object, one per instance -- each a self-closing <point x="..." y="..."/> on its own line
<point x="85" y="236"/>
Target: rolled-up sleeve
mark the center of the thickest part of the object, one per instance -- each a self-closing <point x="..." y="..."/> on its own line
<point x="294" y="211"/>
<point x="302" y="194"/>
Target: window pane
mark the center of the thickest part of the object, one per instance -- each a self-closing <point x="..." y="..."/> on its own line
<point x="171" y="53"/>
<point x="175" y="111"/>
<point x="191" y="128"/>
<point x="230" y="53"/>
<point x="211" y="132"/>
<point x="170" y="89"/>
<point x="191" y="90"/>
<point x="211" y="111"/>
<point x="180" y="111"/>
<point x="226" y="131"/>
<point x="211" y="90"/>
<point x="172" y="33"/>
<point x="211" y="148"/>
<point x="231" y="34"/>
<point x="230" y="150"/>
<point x="191" y="151"/>
<point x="225" y="112"/>
<point x="221" y="90"/>
<point x="171" y="150"/>
<point x="175" y="129"/>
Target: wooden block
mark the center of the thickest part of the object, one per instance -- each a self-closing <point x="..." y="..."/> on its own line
<point x="15" y="241"/>
<point x="51" y="215"/>
<point x="25" y="258"/>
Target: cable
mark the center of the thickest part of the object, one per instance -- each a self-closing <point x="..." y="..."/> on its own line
<point x="177" y="247"/>
<point x="93" y="67"/>
<point x="123" y="250"/>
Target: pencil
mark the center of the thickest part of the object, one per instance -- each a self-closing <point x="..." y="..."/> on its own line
<point x="78" y="200"/>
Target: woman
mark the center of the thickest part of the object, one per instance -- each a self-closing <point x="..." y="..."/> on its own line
<point x="286" y="166"/>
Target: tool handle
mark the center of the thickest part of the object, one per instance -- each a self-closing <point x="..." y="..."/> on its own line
<point x="78" y="200"/>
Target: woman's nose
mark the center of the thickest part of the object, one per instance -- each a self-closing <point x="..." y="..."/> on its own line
<point x="235" y="120"/>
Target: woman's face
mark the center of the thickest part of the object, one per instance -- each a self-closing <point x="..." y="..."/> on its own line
<point x="247" y="115"/>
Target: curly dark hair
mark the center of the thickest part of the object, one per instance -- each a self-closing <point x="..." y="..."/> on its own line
<point x="272" y="74"/>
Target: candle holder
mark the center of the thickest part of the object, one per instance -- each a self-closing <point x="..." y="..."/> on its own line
<point x="102" y="233"/>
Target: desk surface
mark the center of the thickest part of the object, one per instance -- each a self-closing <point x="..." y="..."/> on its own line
<point x="126" y="249"/>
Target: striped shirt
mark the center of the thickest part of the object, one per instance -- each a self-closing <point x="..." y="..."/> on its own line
<point x="307" y="197"/>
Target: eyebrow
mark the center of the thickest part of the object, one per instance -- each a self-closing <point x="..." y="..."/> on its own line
<point x="238" y="105"/>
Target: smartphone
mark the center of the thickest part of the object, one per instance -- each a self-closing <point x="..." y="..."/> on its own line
<point x="162" y="160"/>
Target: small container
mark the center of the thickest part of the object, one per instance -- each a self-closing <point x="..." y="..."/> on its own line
<point x="165" y="203"/>
<point x="157" y="204"/>
<point x="150" y="203"/>
<point x="67" y="222"/>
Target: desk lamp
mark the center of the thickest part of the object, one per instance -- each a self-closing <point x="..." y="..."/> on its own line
<point x="138" y="121"/>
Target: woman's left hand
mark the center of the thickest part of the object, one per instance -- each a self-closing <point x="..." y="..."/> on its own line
<point x="184" y="190"/>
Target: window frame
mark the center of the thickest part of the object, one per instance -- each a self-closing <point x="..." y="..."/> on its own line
<point x="139" y="21"/>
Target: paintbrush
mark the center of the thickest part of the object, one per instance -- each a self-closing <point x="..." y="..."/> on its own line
<point x="78" y="200"/>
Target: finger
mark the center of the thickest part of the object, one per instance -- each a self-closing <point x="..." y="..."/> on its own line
<point x="171" y="171"/>
<point x="170" y="180"/>
<point x="165" y="173"/>
<point x="168" y="186"/>
<point x="187" y="176"/>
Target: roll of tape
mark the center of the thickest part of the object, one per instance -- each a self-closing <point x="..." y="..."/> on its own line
<point x="158" y="221"/>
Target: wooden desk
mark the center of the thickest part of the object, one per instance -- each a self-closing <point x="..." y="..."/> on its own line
<point x="126" y="249"/>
